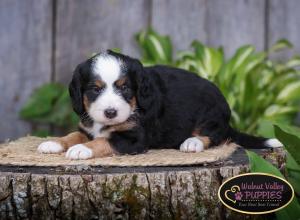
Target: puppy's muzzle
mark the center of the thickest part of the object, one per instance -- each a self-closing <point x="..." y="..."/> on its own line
<point x="110" y="113"/>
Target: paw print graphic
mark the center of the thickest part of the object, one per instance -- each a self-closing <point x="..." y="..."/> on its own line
<point x="238" y="196"/>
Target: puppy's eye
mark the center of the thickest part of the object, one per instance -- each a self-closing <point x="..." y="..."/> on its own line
<point x="123" y="87"/>
<point x="97" y="89"/>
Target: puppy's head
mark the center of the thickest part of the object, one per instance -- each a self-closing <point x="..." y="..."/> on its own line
<point x="102" y="88"/>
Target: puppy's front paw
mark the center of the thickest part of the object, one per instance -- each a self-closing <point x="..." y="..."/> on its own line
<point x="50" y="147"/>
<point x="192" y="144"/>
<point x="79" y="152"/>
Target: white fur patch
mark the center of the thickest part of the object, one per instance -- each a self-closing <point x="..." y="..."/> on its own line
<point x="273" y="143"/>
<point x="79" y="152"/>
<point x="95" y="130"/>
<point x="50" y="147"/>
<point x="192" y="144"/>
<point x="109" y="69"/>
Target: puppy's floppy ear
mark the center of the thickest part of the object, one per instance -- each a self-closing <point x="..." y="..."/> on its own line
<point x="75" y="90"/>
<point x="147" y="93"/>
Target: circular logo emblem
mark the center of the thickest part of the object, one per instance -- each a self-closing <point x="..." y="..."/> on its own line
<point x="256" y="193"/>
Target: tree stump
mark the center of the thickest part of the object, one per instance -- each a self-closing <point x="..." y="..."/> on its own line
<point x="84" y="192"/>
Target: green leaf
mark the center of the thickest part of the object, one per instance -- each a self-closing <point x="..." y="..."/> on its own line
<point x="275" y="110"/>
<point x="41" y="133"/>
<point x="116" y="49"/>
<point x="240" y="56"/>
<point x="213" y="60"/>
<point x="258" y="164"/>
<point x="230" y="70"/>
<point x="40" y="103"/>
<point x="156" y="48"/>
<point x="281" y="45"/>
<point x="61" y="110"/>
<point x="293" y="173"/>
<point x="289" y="92"/>
<point x="265" y="129"/>
<point x="287" y="136"/>
<point x="294" y="62"/>
<point x="199" y="49"/>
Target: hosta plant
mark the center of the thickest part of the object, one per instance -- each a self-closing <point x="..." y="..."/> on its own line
<point x="50" y="104"/>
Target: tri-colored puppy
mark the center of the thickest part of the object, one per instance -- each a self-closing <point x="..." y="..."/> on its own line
<point x="125" y="108"/>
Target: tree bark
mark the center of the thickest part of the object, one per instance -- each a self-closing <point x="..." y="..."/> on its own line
<point x="119" y="193"/>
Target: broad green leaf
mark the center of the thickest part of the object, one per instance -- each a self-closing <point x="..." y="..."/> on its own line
<point x="62" y="110"/>
<point x="235" y="117"/>
<point x="230" y="69"/>
<point x="293" y="173"/>
<point x="281" y="81"/>
<point x="212" y="61"/>
<point x="158" y="47"/>
<point x="291" y="164"/>
<point x="116" y="49"/>
<point x="199" y="49"/>
<point x="280" y="45"/>
<point x="40" y="103"/>
<point x="41" y="133"/>
<point x="241" y="55"/>
<point x="265" y="129"/>
<point x="290" y="139"/>
<point x="140" y="38"/>
<point x="251" y="62"/>
<point x="275" y="110"/>
<point x="290" y="92"/>
<point x="185" y="55"/>
<point x="294" y="62"/>
<point x="155" y="47"/>
<point x="258" y="164"/>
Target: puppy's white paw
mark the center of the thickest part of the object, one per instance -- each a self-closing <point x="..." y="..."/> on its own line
<point x="192" y="144"/>
<point x="50" y="147"/>
<point x="79" y="152"/>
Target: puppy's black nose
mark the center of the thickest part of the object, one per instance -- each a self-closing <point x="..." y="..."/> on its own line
<point x="110" y="113"/>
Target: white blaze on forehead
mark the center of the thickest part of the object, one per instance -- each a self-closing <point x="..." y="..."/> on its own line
<point x="107" y="67"/>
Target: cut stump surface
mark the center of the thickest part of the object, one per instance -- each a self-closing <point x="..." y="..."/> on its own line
<point x="137" y="192"/>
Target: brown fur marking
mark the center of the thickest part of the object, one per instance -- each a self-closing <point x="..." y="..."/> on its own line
<point x="205" y="140"/>
<point x="121" y="81"/>
<point x="72" y="139"/>
<point x="99" y="83"/>
<point x="86" y="102"/>
<point x="127" y="125"/>
<point x="133" y="103"/>
<point x="101" y="147"/>
<point x="196" y="132"/>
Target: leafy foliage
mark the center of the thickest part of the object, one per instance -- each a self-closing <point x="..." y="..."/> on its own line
<point x="259" y="90"/>
<point x="290" y="137"/>
<point x="50" y="104"/>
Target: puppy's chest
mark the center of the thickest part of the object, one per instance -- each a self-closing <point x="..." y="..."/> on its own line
<point x="97" y="130"/>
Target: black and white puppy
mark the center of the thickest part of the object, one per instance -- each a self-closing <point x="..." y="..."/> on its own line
<point x="126" y="108"/>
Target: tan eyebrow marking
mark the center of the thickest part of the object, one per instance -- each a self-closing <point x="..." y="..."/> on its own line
<point x="99" y="83"/>
<point x="121" y="81"/>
